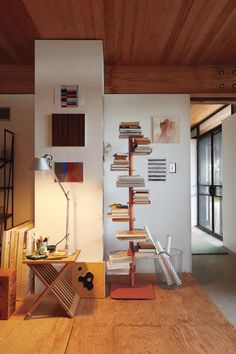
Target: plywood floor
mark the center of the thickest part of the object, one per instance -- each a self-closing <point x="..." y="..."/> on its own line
<point x="178" y="321"/>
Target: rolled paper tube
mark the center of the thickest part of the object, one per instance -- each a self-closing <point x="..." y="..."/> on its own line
<point x="168" y="264"/>
<point x="160" y="259"/>
<point x="168" y="243"/>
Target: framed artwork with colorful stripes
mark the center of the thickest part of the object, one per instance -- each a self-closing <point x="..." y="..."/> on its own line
<point x="68" y="129"/>
<point x="69" y="96"/>
<point x="69" y="171"/>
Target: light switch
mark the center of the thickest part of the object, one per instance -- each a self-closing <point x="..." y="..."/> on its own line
<point x="172" y="167"/>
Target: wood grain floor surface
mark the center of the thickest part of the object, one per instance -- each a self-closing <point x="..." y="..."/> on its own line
<point x="181" y="321"/>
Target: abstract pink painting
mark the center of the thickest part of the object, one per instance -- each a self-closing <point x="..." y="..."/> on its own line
<point x="166" y="129"/>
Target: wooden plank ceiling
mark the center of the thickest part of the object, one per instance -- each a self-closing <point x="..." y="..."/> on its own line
<point x="199" y="112"/>
<point x="170" y="39"/>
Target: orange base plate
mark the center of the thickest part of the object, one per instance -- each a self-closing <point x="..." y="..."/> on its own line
<point x="138" y="291"/>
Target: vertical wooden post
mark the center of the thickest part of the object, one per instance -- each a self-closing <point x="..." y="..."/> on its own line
<point x="131" y="214"/>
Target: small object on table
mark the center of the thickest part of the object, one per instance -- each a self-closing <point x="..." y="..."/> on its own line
<point x="36" y="256"/>
<point x="55" y="282"/>
<point x="51" y="248"/>
<point x="7" y="293"/>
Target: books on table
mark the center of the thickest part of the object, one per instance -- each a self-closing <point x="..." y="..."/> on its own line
<point x="130" y="181"/>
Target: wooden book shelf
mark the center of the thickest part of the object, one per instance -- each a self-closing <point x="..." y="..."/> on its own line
<point x="132" y="290"/>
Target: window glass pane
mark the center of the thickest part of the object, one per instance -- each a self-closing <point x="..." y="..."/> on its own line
<point x="205" y="160"/>
<point x="218" y="216"/>
<point x="217" y="140"/>
<point x="205" y="212"/>
<point x="203" y="190"/>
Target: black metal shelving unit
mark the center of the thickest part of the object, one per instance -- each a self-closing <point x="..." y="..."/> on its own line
<point x="7" y="182"/>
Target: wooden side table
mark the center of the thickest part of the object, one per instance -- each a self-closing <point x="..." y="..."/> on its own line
<point x="54" y="282"/>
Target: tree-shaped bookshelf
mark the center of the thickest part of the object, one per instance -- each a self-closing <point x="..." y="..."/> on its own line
<point x="137" y="145"/>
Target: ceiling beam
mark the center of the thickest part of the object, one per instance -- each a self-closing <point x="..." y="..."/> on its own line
<point x="170" y="79"/>
<point x="16" y="79"/>
<point x="199" y="81"/>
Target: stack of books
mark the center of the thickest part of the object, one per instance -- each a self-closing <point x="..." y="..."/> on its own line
<point x="145" y="249"/>
<point x="136" y="234"/>
<point x="130" y="129"/>
<point x="141" y="146"/>
<point x="119" y="212"/>
<point x="130" y="181"/>
<point x="141" y="196"/>
<point x="118" y="263"/>
<point x="142" y="150"/>
<point x="120" y="163"/>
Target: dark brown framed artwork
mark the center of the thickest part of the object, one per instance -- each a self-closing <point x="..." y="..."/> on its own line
<point x="68" y="129"/>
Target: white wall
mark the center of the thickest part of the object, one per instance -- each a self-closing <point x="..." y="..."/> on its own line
<point x="229" y="179"/>
<point x="193" y="182"/>
<point x="22" y="124"/>
<point x="169" y="211"/>
<point x="70" y="62"/>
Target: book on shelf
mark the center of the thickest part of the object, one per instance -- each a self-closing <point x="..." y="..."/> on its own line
<point x="146" y="250"/>
<point x="129" y="135"/>
<point x="136" y="234"/>
<point x="129" y="124"/>
<point x="118" y="265"/>
<point x="119" y="167"/>
<point x="120" y="156"/>
<point x="140" y="255"/>
<point x="119" y="212"/>
<point x="118" y="215"/>
<point x="146" y="245"/>
<point x="118" y="206"/>
<point x="142" y="141"/>
<point x="121" y="162"/>
<point x="125" y="219"/>
<point x="142" y="150"/>
<point x="141" y="190"/>
<point x="141" y="196"/>
<point x="130" y="129"/>
<point x="119" y="256"/>
<point x="130" y="181"/>
<point x="124" y="271"/>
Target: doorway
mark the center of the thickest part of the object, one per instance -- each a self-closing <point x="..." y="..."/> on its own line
<point x="209" y="214"/>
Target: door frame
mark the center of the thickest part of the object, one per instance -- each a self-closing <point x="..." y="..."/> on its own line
<point x="211" y="132"/>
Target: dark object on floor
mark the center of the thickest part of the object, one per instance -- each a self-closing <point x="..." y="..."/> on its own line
<point x="7" y="293"/>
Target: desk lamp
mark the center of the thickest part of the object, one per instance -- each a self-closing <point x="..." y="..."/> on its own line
<point x="45" y="164"/>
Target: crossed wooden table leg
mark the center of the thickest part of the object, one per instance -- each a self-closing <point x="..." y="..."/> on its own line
<point x="55" y="283"/>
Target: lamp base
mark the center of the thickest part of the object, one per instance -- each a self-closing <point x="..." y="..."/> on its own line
<point x="67" y="249"/>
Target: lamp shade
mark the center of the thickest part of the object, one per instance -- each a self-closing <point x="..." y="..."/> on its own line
<point x="40" y="164"/>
